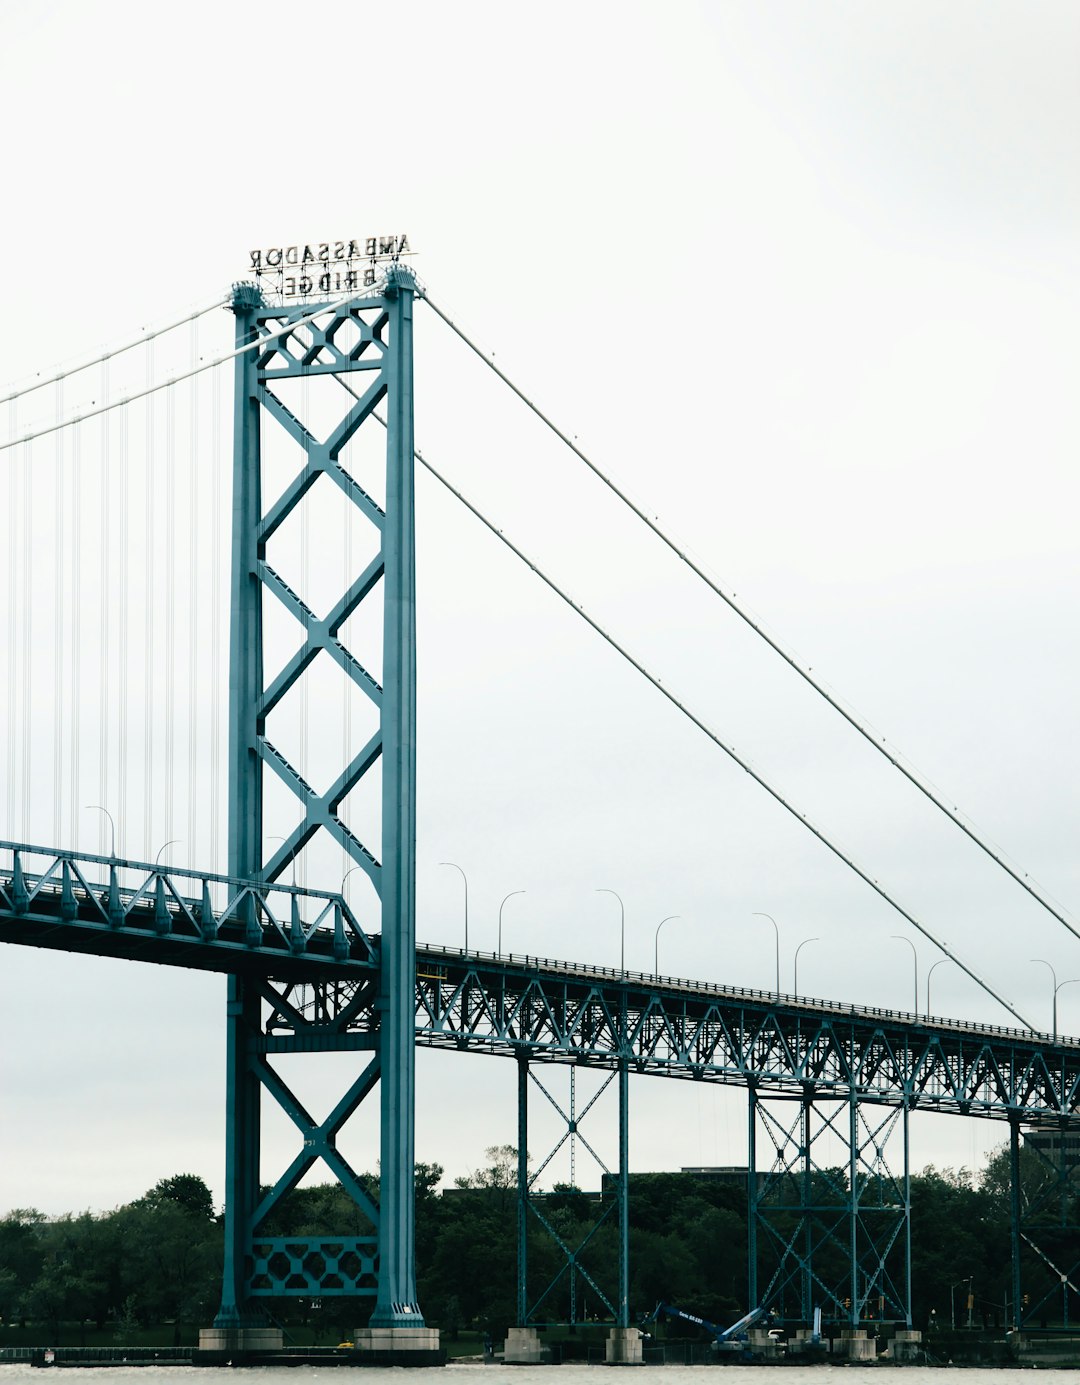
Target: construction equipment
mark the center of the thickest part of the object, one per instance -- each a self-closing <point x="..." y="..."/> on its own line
<point x="725" y="1339"/>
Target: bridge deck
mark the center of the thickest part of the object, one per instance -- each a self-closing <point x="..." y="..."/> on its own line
<point x="550" y="1010"/>
<point x="152" y="913"/>
<point x="558" y="1011"/>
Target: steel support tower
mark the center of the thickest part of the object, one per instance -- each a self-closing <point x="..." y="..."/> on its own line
<point x="368" y="339"/>
<point x="829" y="1222"/>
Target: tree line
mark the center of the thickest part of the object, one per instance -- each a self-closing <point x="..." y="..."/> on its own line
<point x="158" y="1260"/>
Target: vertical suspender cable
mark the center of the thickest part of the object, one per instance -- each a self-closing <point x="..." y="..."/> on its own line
<point x="14" y="672"/>
<point x="170" y="609"/>
<point x="194" y="588"/>
<point x="58" y="536"/>
<point x="27" y="642"/>
<point x="217" y="506"/>
<point x="123" y="614"/>
<point x="75" y="611"/>
<point x="11" y="642"/>
<point x="149" y="623"/>
<point x="104" y="596"/>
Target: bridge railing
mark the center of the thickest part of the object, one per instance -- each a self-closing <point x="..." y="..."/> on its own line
<point x="687" y="985"/>
<point x="177" y="903"/>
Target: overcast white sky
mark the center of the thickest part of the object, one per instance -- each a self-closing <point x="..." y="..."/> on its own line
<point x="804" y="279"/>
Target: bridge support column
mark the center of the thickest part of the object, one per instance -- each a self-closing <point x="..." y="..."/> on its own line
<point x="807" y="1287"/>
<point x="239" y="1318"/>
<point x="623" y="1347"/>
<point x="522" y="1346"/>
<point x="827" y="1233"/>
<point x="240" y="1323"/>
<point x="523" y="1188"/>
<point x="751" y="1198"/>
<point x="854" y="1299"/>
<point x="1014" y="1220"/>
<point x="397" y="1325"/>
<point x="372" y="335"/>
<point x="624" y="1194"/>
<point x="1044" y="1168"/>
<point x="575" y="1244"/>
<point x="907" y="1212"/>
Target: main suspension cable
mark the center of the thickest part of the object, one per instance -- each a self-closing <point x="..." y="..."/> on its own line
<point x="171" y="380"/>
<point x="1023" y="879"/>
<point x="717" y="740"/>
<point x="39" y="384"/>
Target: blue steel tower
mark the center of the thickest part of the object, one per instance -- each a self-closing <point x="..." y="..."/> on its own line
<point x="368" y="340"/>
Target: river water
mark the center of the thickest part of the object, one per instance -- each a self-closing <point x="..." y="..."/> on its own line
<point x="469" y="1374"/>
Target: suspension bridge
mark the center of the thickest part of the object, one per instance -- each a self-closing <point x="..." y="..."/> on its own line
<point x="321" y="674"/>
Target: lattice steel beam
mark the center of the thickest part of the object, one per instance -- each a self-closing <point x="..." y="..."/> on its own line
<point x="565" y="1012"/>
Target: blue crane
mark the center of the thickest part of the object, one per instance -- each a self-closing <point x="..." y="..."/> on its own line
<point x="722" y="1336"/>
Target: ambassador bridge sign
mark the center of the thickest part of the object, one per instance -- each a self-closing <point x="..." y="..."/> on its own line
<point x="328" y="266"/>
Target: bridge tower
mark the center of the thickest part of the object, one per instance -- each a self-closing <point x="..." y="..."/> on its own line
<point x="367" y="340"/>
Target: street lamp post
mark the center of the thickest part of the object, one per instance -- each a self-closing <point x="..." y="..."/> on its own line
<point x="97" y="808"/>
<point x="173" y="841"/>
<point x="795" y="977"/>
<point x="900" y="937"/>
<point x="275" y="837"/>
<point x="656" y="942"/>
<point x="622" y="928"/>
<point x="345" y="877"/>
<point x="465" y="880"/>
<point x="928" y="976"/>
<point x="1057" y="987"/>
<point x="509" y="896"/>
<point x="952" y="1298"/>
<point x="776" y="930"/>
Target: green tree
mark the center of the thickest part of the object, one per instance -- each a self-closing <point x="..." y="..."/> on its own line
<point x="22" y="1254"/>
<point x="185" y="1190"/>
<point x="70" y="1283"/>
<point x="172" y="1259"/>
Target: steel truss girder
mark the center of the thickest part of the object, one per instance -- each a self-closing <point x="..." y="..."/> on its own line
<point x="838" y="1235"/>
<point x="113" y="907"/>
<point x="564" y="1012"/>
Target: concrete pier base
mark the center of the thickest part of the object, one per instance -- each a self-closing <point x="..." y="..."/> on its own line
<point x="802" y="1344"/>
<point x="522" y="1347"/>
<point x="623" y="1347"/>
<point x="906" y="1344"/>
<point x="241" y="1341"/>
<point x="399" y="1346"/>
<point x="854" y="1345"/>
<point x="762" y="1346"/>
